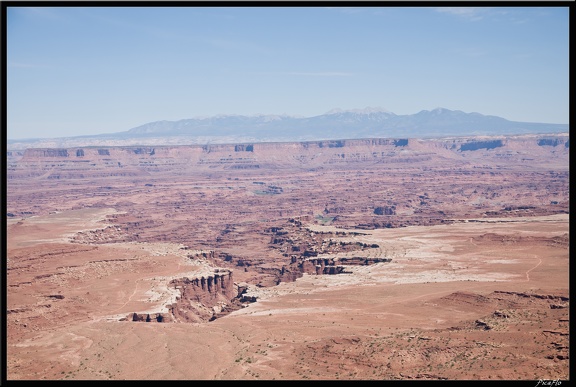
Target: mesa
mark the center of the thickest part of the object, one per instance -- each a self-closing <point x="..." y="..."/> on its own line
<point x="377" y="258"/>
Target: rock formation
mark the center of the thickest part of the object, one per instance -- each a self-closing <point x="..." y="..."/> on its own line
<point x="83" y="162"/>
<point x="201" y="299"/>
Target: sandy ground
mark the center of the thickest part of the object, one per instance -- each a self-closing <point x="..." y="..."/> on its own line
<point x="65" y="301"/>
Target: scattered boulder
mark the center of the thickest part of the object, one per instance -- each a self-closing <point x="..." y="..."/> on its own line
<point x="498" y="313"/>
<point x="483" y="324"/>
<point x="558" y="306"/>
<point x="387" y="210"/>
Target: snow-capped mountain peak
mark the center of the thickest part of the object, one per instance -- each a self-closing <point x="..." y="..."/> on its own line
<point x="367" y="110"/>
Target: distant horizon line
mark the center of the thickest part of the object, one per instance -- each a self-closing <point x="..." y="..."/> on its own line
<point x="426" y="137"/>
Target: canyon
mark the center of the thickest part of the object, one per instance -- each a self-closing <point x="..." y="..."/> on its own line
<point x="376" y="258"/>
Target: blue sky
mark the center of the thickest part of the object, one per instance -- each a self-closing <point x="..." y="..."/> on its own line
<point x="90" y="70"/>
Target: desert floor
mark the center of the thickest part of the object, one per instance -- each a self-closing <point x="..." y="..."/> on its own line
<point x="477" y="299"/>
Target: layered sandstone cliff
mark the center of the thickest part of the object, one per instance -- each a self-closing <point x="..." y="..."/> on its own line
<point x="126" y="161"/>
<point x="202" y="298"/>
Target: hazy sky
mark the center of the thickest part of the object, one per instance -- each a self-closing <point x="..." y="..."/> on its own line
<point x="91" y="70"/>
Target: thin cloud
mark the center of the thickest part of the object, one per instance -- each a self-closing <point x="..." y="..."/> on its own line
<point x="495" y="14"/>
<point x="348" y="10"/>
<point x="320" y="74"/>
<point x="50" y="13"/>
<point x="471" y="13"/>
<point x="472" y="53"/>
<point x="233" y="45"/>
<point x="375" y="10"/>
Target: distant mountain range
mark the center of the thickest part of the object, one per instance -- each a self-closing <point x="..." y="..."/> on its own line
<point x="333" y="125"/>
